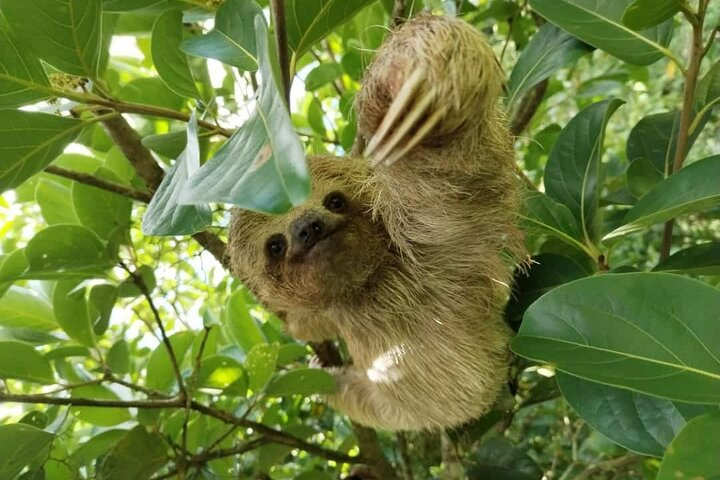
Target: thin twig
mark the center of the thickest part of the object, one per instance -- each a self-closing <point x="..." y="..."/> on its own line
<point x="398" y="14"/>
<point x="87" y="179"/>
<point x="277" y="9"/>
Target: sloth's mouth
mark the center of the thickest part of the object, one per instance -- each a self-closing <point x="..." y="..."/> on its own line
<point x="328" y="244"/>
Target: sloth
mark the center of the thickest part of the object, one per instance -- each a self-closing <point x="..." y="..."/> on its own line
<point x="404" y="251"/>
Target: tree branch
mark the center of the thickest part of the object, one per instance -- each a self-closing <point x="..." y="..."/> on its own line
<point x="526" y="110"/>
<point x="277" y="9"/>
<point x="87" y="179"/>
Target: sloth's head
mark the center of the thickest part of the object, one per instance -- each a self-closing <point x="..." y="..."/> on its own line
<point x="323" y="252"/>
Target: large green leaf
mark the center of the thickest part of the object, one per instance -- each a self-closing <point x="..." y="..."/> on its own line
<point x="599" y="23"/>
<point x="548" y="50"/>
<point x="301" y="381"/>
<point x="101" y="211"/>
<point x="23" y="307"/>
<point x="55" y="202"/>
<point x="654" y="333"/>
<point x="30" y="141"/>
<point x="638" y="422"/>
<point x="239" y="323"/>
<point x="21" y="361"/>
<point x="16" y="62"/>
<point x="170" y="62"/>
<point x="541" y="214"/>
<point x="694" y="453"/>
<point x="97" y="446"/>
<point x="64" y="33"/>
<point x="164" y="215"/>
<point x="160" y="373"/>
<point x="20" y="445"/>
<point x="72" y="312"/>
<point x="232" y="41"/>
<point x="693" y="189"/>
<point x="62" y="250"/>
<point x="101" y="416"/>
<point x="220" y="371"/>
<point x="135" y="457"/>
<point x="642" y="14"/>
<point x="310" y="20"/>
<point x="703" y="259"/>
<point x="260" y="365"/>
<point x="498" y="459"/>
<point x="572" y="171"/>
<point x="262" y="166"/>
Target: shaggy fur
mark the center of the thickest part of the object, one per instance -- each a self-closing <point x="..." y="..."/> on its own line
<point x="415" y="277"/>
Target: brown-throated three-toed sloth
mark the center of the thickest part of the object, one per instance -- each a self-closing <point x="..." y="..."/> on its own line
<point x="404" y="253"/>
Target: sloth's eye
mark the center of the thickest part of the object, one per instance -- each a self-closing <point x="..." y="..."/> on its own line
<point x="335" y="202"/>
<point x="276" y="246"/>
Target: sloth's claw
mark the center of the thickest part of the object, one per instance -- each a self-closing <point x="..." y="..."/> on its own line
<point x="423" y="130"/>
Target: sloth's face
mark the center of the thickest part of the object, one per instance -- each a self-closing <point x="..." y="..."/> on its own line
<point x="323" y="252"/>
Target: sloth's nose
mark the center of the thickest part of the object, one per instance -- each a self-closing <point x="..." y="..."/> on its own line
<point x="306" y="231"/>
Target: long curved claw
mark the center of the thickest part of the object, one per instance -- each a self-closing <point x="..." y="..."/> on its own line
<point x="418" y="137"/>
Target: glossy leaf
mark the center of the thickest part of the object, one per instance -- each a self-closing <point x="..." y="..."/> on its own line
<point x="260" y="365"/>
<point x="97" y="446"/>
<point x="302" y="381"/>
<point x="30" y="141"/>
<point x="61" y="250"/>
<point x="169" y="60"/>
<point x="101" y="211"/>
<point x="693" y="454"/>
<point x="219" y="371"/>
<point x="642" y="14"/>
<point x="499" y="459"/>
<point x="641" y="177"/>
<point x="240" y="324"/>
<point x="311" y="20"/>
<point x="572" y="171"/>
<point x="262" y="166"/>
<point x="118" y="357"/>
<point x="20" y="445"/>
<point x="650" y="332"/>
<point x="23" y="362"/>
<point x="18" y="63"/>
<point x="542" y="214"/>
<point x="100" y="416"/>
<point x="703" y="259"/>
<point x="548" y="50"/>
<point x="160" y="373"/>
<point x="232" y="41"/>
<point x="599" y="23"/>
<point x="693" y="189"/>
<point x="170" y="144"/>
<point x="638" y="422"/>
<point x="55" y="202"/>
<point x="72" y="313"/>
<point x="322" y="75"/>
<point x="23" y="307"/>
<point x="164" y="215"/>
<point x="136" y="456"/>
<point x="64" y="33"/>
<point x="101" y="301"/>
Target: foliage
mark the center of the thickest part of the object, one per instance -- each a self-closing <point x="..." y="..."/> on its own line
<point x="128" y="352"/>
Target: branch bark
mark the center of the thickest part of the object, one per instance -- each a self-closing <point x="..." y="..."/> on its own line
<point x="277" y="8"/>
<point x="87" y="179"/>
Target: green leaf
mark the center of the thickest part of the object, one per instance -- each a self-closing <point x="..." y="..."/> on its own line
<point x="23" y="362"/>
<point x="572" y="171"/>
<point x="164" y="215"/>
<point x="97" y="446"/>
<point x="55" y="202"/>
<point x="101" y="211"/>
<point x="170" y="144"/>
<point x="547" y="271"/>
<point x="64" y="33"/>
<point x="693" y="453"/>
<point x="28" y="335"/>
<point x="548" y="50"/>
<point x="638" y="422"/>
<point x="653" y="333"/>
<point x="101" y="416"/>
<point x="241" y="325"/>
<point x="219" y="371"/>
<point x="701" y="259"/>
<point x="30" y="141"/>
<point x="62" y="250"/>
<point x="308" y="21"/>
<point x="542" y="214"/>
<point x="160" y="374"/>
<point x="101" y="300"/>
<point x="262" y="166"/>
<point x="599" y="23"/>
<point x="20" y="445"/>
<point x="322" y="75"/>
<point x="302" y="381"/>
<point x="71" y="312"/>
<point x="708" y="88"/>
<point x="642" y="14"/>
<point x="693" y="189"/>
<point x="499" y="459"/>
<point x="135" y="457"/>
<point x="118" y="357"/>
<point x="23" y="307"/>
<point x="170" y="62"/>
<point x="316" y="117"/>
<point x="289" y="352"/>
<point x="641" y="177"/>
<point x="260" y="365"/>
<point x="16" y="62"/>
<point x="232" y="41"/>
<point x="12" y="267"/>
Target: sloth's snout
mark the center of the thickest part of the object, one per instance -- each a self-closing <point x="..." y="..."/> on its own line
<point x="307" y="231"/>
